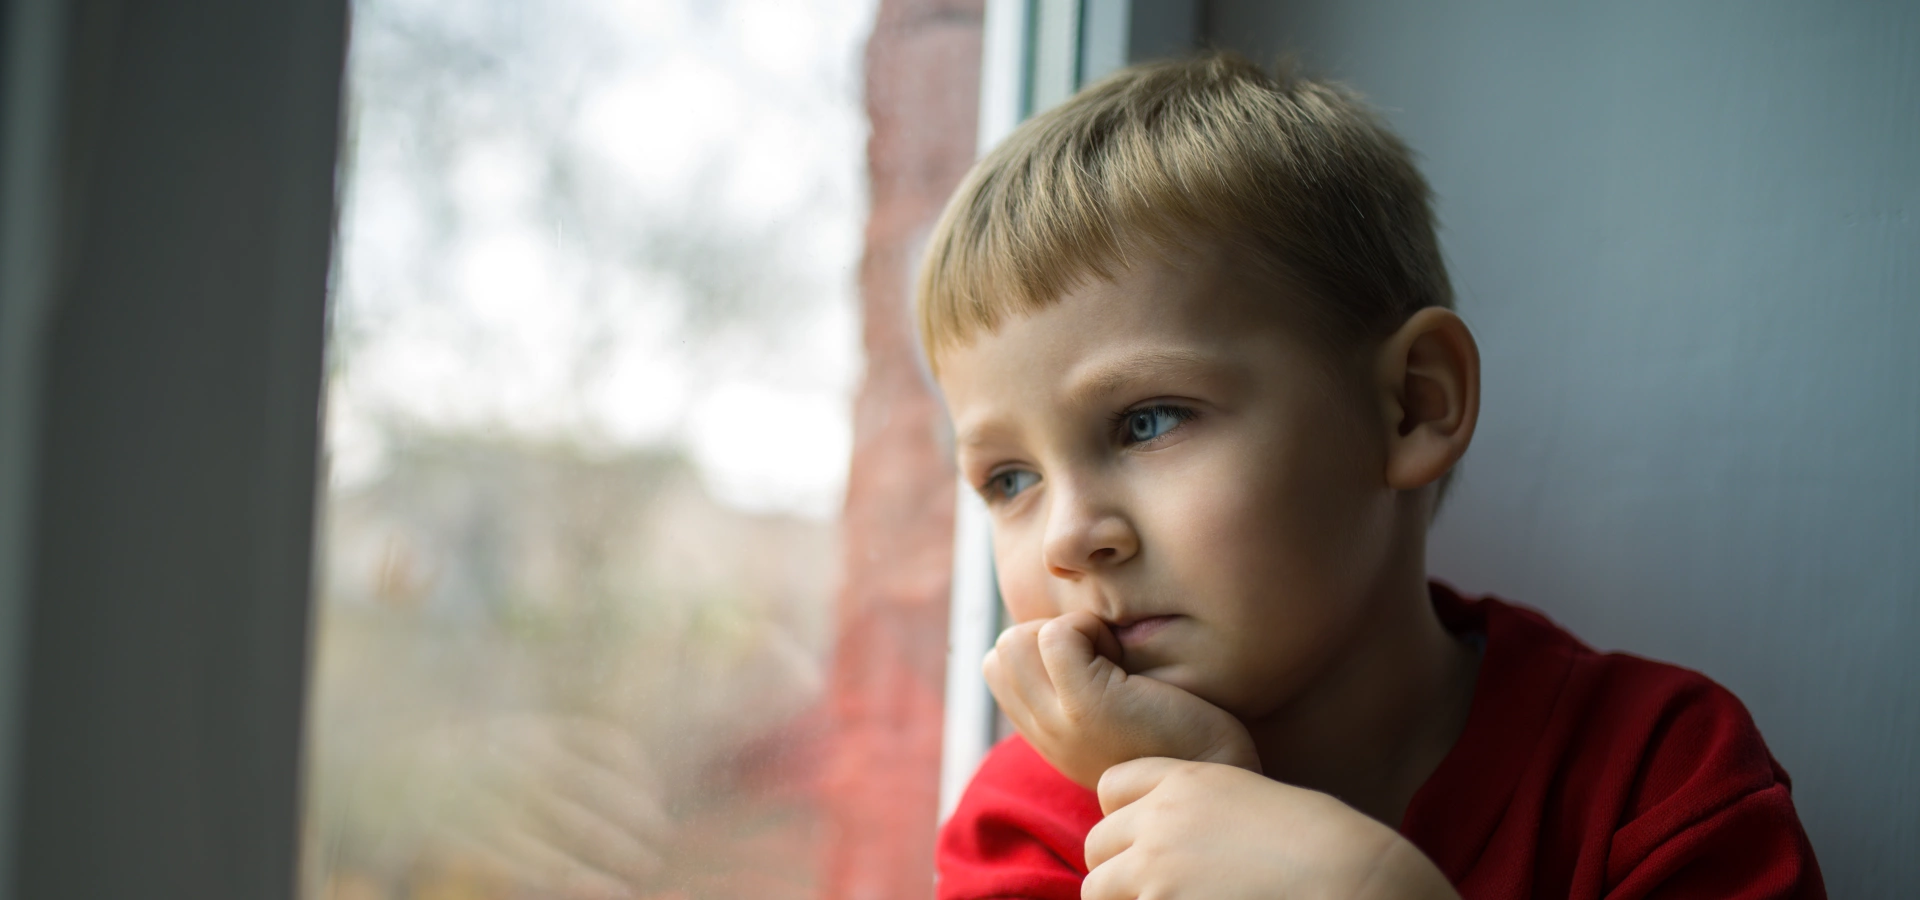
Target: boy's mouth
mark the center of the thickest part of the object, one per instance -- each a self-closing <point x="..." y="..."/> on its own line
<point x="1139" y="631"/>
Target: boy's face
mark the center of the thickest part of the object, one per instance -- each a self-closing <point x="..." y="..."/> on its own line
<point x="1165" y="451"/>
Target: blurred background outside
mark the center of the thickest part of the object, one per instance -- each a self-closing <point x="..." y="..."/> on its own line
<point x="588" y="420"/>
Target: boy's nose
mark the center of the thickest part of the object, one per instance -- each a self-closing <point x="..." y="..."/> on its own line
<point x="1081" y="540"/>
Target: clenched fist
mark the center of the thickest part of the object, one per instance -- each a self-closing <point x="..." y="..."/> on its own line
<point x="1178" y="830"/>
<point x="1058" y="682"/>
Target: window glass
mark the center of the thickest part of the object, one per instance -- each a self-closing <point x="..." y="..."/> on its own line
<point x="594" y="338"/>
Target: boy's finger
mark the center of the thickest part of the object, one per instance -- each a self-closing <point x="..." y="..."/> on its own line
<point x="1110" y="837"/>
<point x="1070" y="649"/>
<point x="1004" y="694"/>
<point x="1086" y="632"/>
<point x="1096" y="630"/>
<point x="1127" y="782"/>
<point x="1117" y="878"/>
<point x="1017" y="654"/>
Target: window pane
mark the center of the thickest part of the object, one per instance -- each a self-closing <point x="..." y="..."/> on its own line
<point x="593" y="346"/>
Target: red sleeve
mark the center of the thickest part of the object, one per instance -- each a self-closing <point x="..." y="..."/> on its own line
<point x="1711" y="813"/>
<point x="1019" y="831"/>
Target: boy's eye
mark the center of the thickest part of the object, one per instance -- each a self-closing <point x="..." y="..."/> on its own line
<point x="1143" y="425"/>
<point x="1006" y="485"/>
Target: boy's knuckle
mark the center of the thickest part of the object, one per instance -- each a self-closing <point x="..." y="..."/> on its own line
<point x="1078" y="709"/>
<point x="1166" y="807"/>
<point x="1184" y="777"/>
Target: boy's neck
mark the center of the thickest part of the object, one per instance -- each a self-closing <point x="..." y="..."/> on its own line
<point x="1374" y="727"/>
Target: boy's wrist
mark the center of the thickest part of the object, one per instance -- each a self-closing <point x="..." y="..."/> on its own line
<point x="1402" y="872"/>
<point x="1237" y="751"/>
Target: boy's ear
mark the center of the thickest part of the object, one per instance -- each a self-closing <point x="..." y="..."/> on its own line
<point x="1429" y="381"/>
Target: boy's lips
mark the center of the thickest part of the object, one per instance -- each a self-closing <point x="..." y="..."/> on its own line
<point x="1139" y="631"/>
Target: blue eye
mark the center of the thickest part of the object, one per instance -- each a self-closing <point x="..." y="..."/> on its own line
<point x="1006" y="485"/>
<point x="1143" y="425"/>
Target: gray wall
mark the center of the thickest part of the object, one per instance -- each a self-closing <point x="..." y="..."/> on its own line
<point x="1685" y="234"/>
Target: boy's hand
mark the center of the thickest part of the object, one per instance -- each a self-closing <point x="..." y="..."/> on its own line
<point x="1176" y="829"/>
<point x="1057" y="681"/>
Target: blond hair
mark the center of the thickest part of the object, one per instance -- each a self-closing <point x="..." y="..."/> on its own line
<point x="1299" y="175"/>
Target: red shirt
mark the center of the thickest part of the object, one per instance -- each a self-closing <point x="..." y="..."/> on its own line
<point x="1579" y="774"/>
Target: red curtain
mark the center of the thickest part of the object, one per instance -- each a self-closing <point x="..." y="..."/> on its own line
<point x="881" y="787"/>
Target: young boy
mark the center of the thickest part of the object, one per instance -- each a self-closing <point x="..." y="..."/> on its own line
<point x="1196" y="339"/>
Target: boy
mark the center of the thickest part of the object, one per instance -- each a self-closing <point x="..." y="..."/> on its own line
<point x="1196" y="338"/>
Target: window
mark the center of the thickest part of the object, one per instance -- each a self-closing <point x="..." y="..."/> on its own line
<point x="588" y="421"/>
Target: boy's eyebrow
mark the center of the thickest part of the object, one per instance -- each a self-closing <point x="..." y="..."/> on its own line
<point x="1108" y="376"/>
<point x="1099" y="379"/>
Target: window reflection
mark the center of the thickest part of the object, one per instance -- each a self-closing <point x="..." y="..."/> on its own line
<point x="588" y="411"/>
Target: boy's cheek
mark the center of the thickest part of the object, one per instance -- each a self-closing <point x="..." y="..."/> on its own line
<point x="1024" y="594"/>
<point x="1025" y="603"/>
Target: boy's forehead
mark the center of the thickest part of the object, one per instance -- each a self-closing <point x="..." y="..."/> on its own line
<point x="1191" y="304"/>
<point x="1157" y="325"/>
